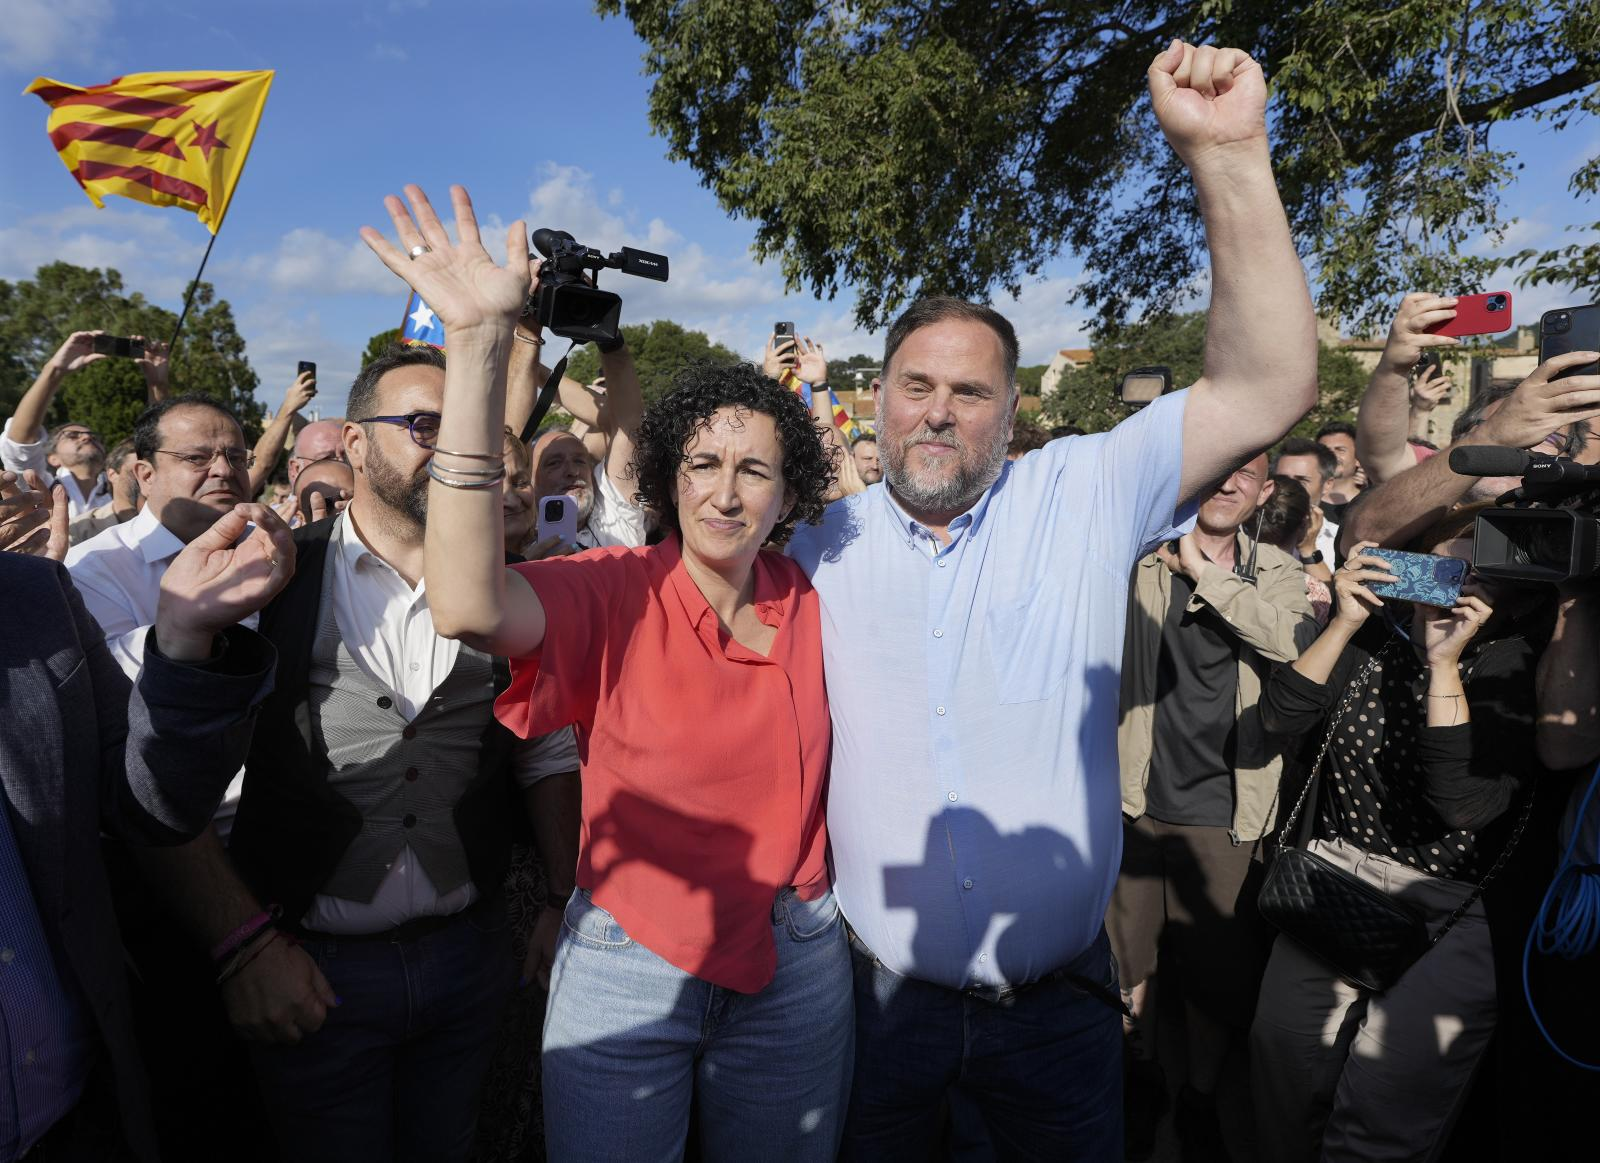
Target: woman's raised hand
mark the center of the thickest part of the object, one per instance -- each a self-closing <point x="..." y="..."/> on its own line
<point x="461" y="284"/>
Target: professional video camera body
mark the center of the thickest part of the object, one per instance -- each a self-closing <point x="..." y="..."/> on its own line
<point x="1546" y="531"/>
<point x="573" y="307"/>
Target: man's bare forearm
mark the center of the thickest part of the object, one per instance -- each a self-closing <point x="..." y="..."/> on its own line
<point x="625" y="405"/>
<point x="555" y="806"/>
<point x="1394" y="512"/>
<point x="267" y="451"/>
<point x="199" y="883"/>
<point x="1568" y="686"/>
<point x="1382" y="424"/>
<point x="1261" y="330"/>
<point x="27" y="422"/>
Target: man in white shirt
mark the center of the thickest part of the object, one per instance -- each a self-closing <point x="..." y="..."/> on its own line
<point x="73" y="456"/>
<point x="561" y="464"/>
<point x="375" y="816"/>
<point x="192" y="466"/>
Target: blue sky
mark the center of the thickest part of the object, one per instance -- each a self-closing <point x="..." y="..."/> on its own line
<point x="539" y="108"/>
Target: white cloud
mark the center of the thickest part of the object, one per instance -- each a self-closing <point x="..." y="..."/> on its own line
<point x="149" y="250"/>
<point x="385" y="51"/>
<point x="309" y="262"/>
<point x="39" y="33"/>
<point x="277" y="338"/>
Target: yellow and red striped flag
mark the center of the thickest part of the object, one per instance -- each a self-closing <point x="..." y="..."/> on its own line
<point x="169" y="139"/>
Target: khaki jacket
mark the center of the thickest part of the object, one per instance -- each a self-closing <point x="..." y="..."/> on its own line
<point x="1272" y="620"/>
<point x="95" y="521"/>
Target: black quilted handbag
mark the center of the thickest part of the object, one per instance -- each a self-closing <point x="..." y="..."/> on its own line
<point x="1359" y="931"/>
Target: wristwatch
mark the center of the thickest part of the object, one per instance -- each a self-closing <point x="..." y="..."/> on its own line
<point x="1314" y="559"/>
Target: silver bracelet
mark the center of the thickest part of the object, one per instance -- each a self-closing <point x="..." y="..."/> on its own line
<point x="456" y="484"/>
<point x="496" y="473"/>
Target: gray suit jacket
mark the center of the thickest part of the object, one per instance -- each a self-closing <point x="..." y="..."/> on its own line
<point x="80" y="754"/>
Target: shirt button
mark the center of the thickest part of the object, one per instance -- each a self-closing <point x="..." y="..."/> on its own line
<point x="29" y="1058"/>
<point x="385" y="702"/>
<point x="954" y="797"/>
<point x="938" y="710"/>
<point x="416" y="666"/>
<point x="7" y="956"/>
<point x="410" y="821"/>
<point x="967" y="883"/>
<point x="938" y="633"/>
<point x="983" y="957"/>
<point x="411" y="775"/>
<point x="408" y="732"/>
<point x="943" y="563"/>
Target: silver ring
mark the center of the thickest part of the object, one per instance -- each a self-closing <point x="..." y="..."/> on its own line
<point x="416" y="250"/>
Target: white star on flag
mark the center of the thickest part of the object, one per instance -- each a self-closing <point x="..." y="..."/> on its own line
<point x="422" y="317"/>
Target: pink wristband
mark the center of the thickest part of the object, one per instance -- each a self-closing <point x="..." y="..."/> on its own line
<point x="242" y="934"/>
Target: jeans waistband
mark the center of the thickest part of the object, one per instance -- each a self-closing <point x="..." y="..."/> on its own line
<point x="1004" y="995"/>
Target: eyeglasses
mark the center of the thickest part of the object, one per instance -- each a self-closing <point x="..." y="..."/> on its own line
<point x="78" y="434"/>
<point x="424" y="426"/>
<point x="238" y="459"/>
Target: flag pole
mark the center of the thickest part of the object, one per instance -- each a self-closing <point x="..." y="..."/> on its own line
<point x="188" y="299"/>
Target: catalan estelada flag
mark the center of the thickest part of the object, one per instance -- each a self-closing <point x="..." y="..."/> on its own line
<point x="169" y="139"/>
<point x="420" y="324"/>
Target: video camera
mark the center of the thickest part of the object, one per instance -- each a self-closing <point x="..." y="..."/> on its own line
<point x="1546" y="531"/>
<point x="575" y="308"/>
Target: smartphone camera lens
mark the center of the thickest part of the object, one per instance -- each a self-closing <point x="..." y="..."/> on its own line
<point x="1557" y="323"/>
<point x="552" y="510"/>
<point x="1497" y="302"/>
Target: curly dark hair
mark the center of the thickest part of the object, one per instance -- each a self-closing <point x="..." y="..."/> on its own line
<point x="699" y="389"/>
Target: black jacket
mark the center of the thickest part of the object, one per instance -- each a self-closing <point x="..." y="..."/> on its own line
<point x="79" y="755"/>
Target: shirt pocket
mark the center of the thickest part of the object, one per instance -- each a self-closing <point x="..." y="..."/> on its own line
<point x="1027" y="643"/>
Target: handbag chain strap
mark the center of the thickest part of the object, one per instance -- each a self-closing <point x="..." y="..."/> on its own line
<point x="1352" y="693"/>
<point x="1357" y="686"/>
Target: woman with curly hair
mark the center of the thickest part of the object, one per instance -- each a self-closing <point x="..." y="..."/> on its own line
<point x="702" y="960"/>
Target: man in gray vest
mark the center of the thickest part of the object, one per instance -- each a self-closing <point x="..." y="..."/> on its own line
<point x="376" y="817"/>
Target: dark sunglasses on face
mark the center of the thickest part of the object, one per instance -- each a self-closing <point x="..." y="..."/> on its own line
<point x="424" y="426"/>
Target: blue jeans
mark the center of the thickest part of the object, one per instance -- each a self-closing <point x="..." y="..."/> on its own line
<point x="396" y="1070"/>
<point x="1042" y="1064"/>
<point x="631" y="1040"/>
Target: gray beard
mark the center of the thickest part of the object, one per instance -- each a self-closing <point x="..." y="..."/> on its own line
<point x="944" y="494"/>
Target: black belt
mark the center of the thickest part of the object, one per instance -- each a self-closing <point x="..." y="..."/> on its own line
<point x="411" y="930"/>
<point x="1008" y="994"/>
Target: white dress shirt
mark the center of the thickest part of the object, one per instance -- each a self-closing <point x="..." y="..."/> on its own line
<point x="1328" y="542"/>
<point x="21" y="457"/>
<point x="388" y="629"/>
<point x="118" y="574"/>
<point x="613" y="519"/>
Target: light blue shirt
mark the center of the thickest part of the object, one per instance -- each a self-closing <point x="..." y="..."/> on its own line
<point x="974" y="809"/>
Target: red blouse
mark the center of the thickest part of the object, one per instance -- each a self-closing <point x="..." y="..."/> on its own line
<point x="704" y="763"/>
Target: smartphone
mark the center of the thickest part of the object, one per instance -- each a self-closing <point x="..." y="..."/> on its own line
<point x="1424" y="577"/>
<point x="558" y="517"/>
<point x="1571" y="329"/>
<point x="306" y="366"/>
<point x="782" y="331"/>
<point x="1430" y="366"/>
<point x="1486" y="314"/>
<point x="118" y="346"/>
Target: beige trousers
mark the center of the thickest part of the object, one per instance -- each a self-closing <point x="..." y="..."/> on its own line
<point x="1341" y="1073"/>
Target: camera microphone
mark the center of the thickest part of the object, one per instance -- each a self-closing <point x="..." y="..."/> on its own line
<point x="1489" y="460"/>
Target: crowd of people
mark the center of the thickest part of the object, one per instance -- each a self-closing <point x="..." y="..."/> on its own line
<point x="802" y="800"/>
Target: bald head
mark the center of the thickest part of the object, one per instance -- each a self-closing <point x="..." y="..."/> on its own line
<point x="561" y="464"/>
<point x="331" y="480"/>
<point x="319" y="440"/>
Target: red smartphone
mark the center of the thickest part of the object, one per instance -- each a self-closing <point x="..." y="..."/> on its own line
<point x="1485" y="314"/>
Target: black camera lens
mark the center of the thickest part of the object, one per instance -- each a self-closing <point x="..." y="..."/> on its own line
<point x="1557" y="323"/>
<point x="553" y="510"/>
<point x="1497" y="302"/>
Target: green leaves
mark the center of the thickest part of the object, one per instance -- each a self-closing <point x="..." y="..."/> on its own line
<point x="660" y="350"/>
<point x="956" y="146"/>
<point x="37" y="315"/>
